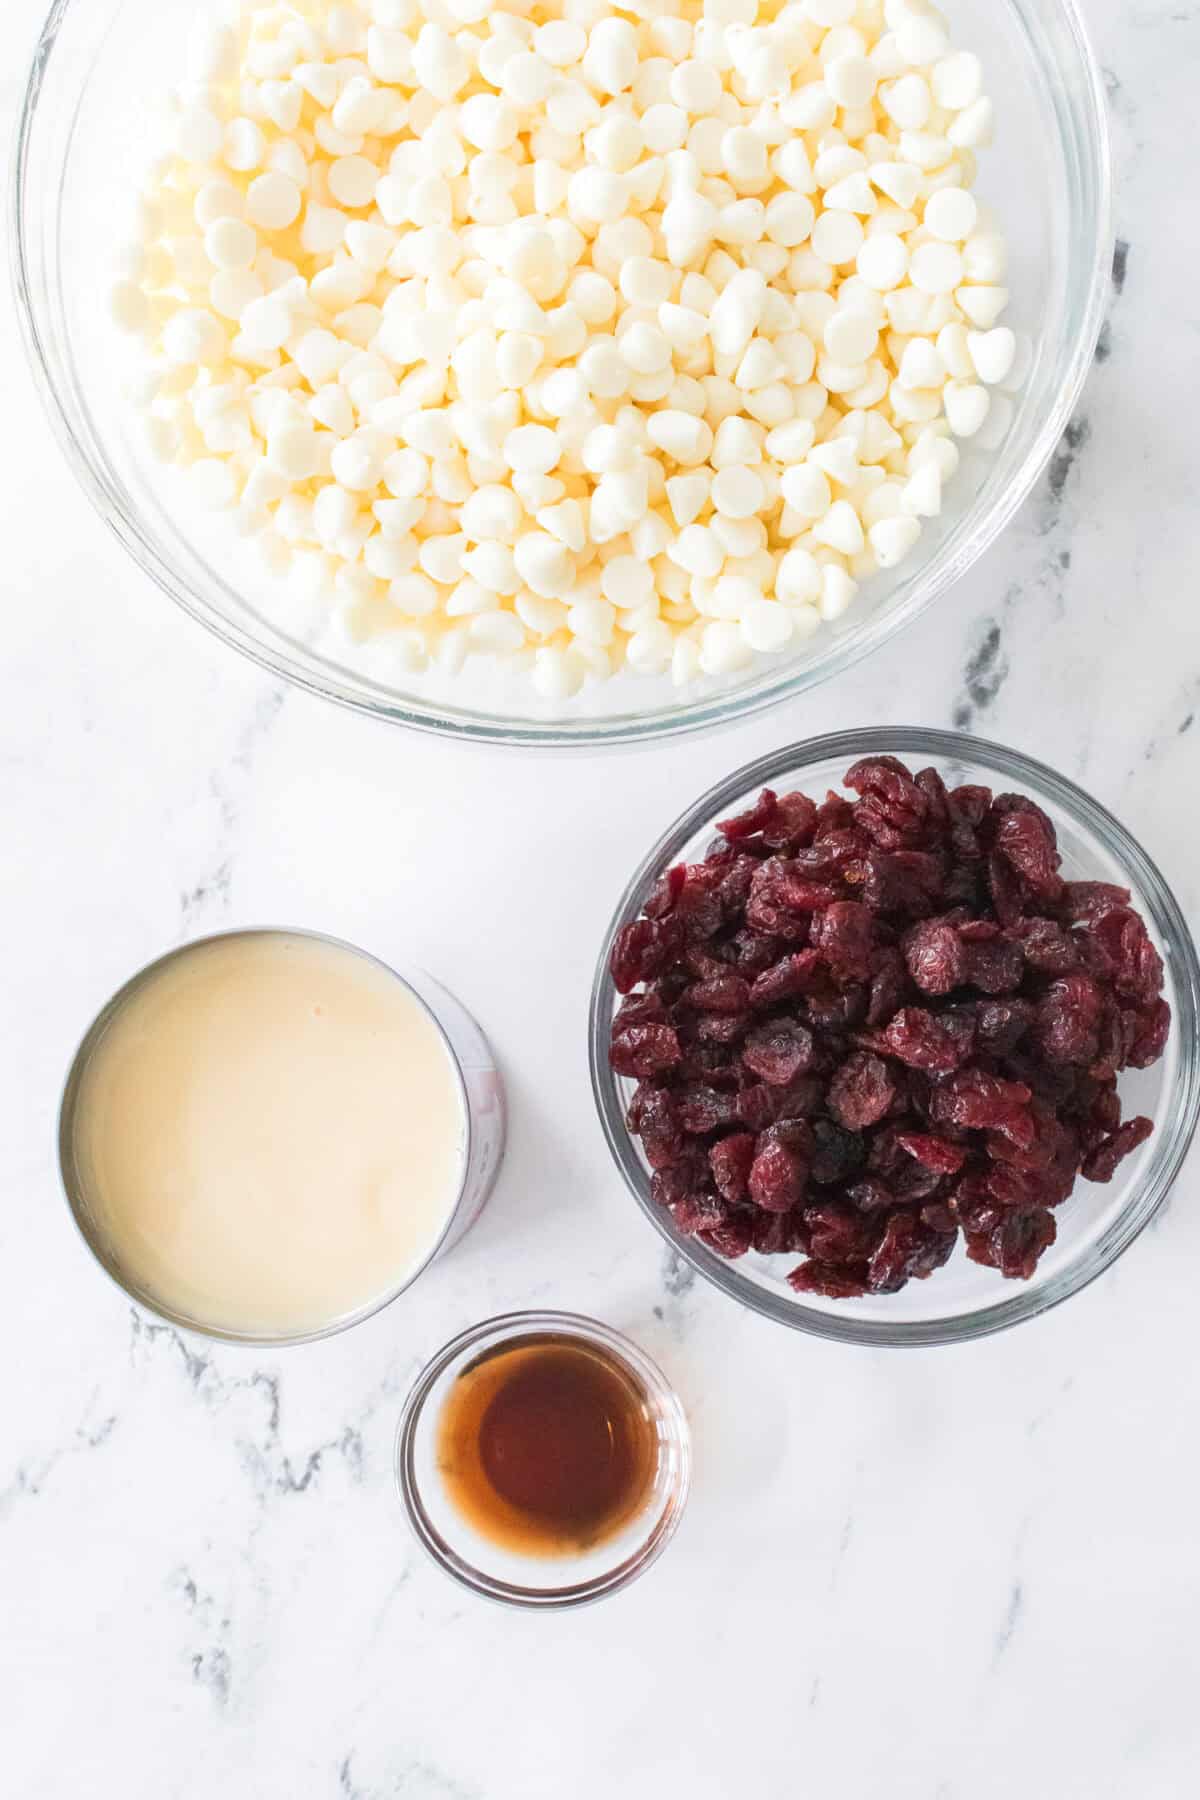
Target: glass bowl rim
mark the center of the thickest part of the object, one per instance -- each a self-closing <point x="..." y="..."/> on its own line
<point x="307" y="672"/>
<point x="1176" y="1131"/>
<point x="512" y="1327"/>
<point x="72" y="1189"/>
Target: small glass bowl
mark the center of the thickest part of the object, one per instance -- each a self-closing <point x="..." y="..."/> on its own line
<point x="961" y="1300"/>
<point x="82" y="153"/>
<point x="539" y="1581"/>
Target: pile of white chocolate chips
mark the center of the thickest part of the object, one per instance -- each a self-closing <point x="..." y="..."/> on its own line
<point x="586" y="335"/>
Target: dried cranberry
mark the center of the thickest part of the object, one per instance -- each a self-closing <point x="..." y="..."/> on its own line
<point x="652" y="1117"/>
<point x="793" y="825"/>
<point x="1068" y="1020"/>
<point x="698" y="909"/>
<point x="777" y="1177"/>
<point x="645" y="1050"/>
<point x="1134" y="963"/>
<point x="933" y="1153"/>
<point x="838" y="1233"/>
<point x="730" y="1160"/>
<point x="893" y="809"/>
<point x="700" y="1109"/>
<point x="973" y="1205"/>
<point x="934" y="790"/>
<point x="925" y="1041"/>
<point x="902" y="881"/>
<point x="871" y="1195"/>
<point x="972" y="1097"/>
<point x="970" y="804"/>
<point x="837" y="1154"/>
<point x="838" y="1008"/>
<point x="1025" y="1189"/>
<point x="775" y="1234"/>
<point x="639" y="1009"/>
<point x="753" y="820"/>
<point x="697" y="1213"/>
<point x="1148" y="1039"/>
<point x="723" y="1028"/>
<point x="829" y="855"/>
<point x="908" y="1248"/>
<point x="1001" y="1024"/>
<point x="844" y="935"/>
<point x="889" y="985"/>
<point x="735" y="885"/>
<point x="751" y="953"/>
<point x="936" y="956"/>
<point x="1004" y="886"/>
<point x="666" y="892"/>
<point x="835" y="813"/>
<point x="684" y="1180"/>
<point x="996" y="967"/>
<point x="915" y="1183"/>
<point x="761" y="1105"/>
<point x="1082" y="902"/>
<point x="787" y="979"/>
<point x="861" y="1091"/>
<point x="733" y="1237"/>
<point x="726" y="993"/>
<point x="1101" y="1117"/>
<point x="642" y="950"/>
<point x="774" y="919"/>
<point x="779" y="1052"/>
<point x="1100" y="1164"/>
<point x="707" y="1064"/>
<point x="1015" y="1244"/>
<point x="1026" y="840"/>
<point x="834" y="1281"/>
<point x="1046" y="946"/>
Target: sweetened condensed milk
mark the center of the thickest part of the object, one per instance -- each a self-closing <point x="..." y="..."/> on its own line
<point x="267" y="1133"/>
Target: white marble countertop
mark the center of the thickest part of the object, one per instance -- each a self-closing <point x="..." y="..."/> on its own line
<point x="948" y="1575"/>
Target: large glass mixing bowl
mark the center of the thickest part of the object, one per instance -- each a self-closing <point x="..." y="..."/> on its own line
<point x="89" y="129"/>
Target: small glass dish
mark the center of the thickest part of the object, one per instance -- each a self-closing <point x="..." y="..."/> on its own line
<point x="961" y="1300"/>
<point x="81" y="155"/>
<point x="541" y="1581"/>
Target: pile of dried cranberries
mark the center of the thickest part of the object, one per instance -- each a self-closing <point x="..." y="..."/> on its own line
<point x="866" y="1025"/>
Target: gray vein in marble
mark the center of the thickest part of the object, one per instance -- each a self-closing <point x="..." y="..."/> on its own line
<point x="196" y="1366"/>
<point x="1181" y="721"/>
<point x="1120" y="268"/>
<point x="383" y="1611"/>
<point x="678" y="1275"/>
<point x="1012" y="1618"/>
<point x="270" y="1470"/>
<point x="347" y="1785"/>
<point x="678" y="1279"/>
<point x="211" y="892"/>
<point x="211" y="1666"/>
<point x="31" y="1475"/>
<point x="1047" y="1411"/>
<point x="348" y="1445"/>
<point x="417" y="1779"/>
<point x="985" y="672"/>
<point x="1074" y="442"/>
